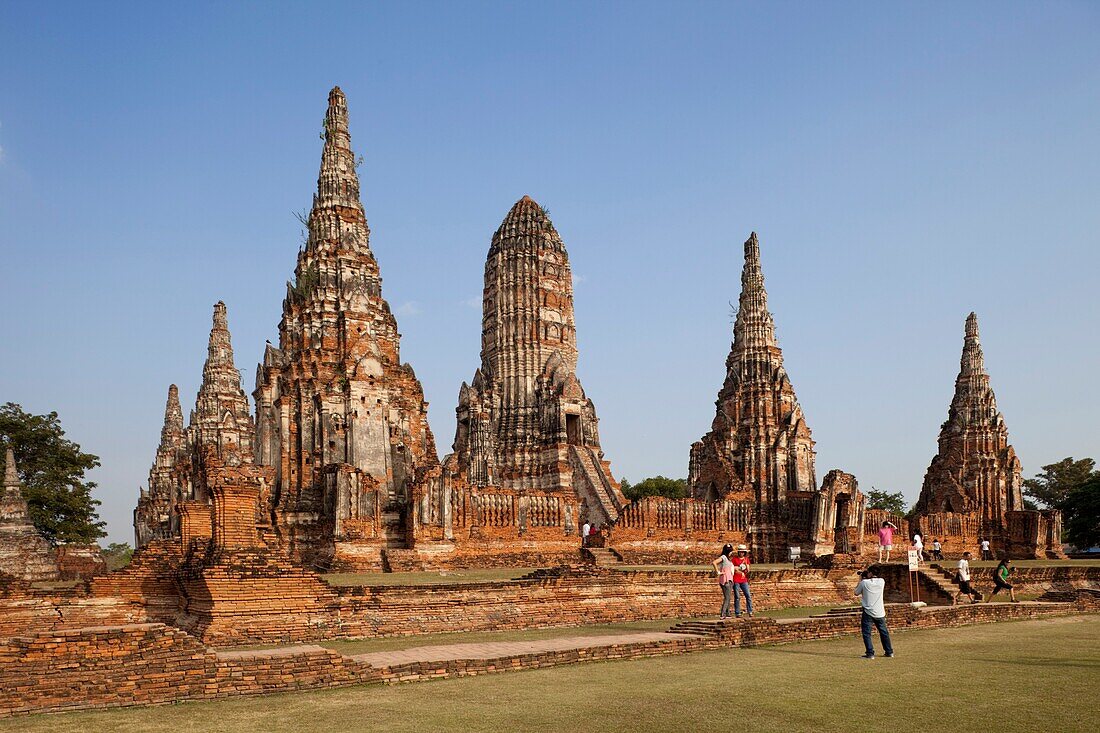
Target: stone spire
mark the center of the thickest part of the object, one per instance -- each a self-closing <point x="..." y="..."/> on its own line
<point x="975" y="469"/>
<point x="759" y="446"/>
<point x="524" y="423"/>
<point x="754" y="327"/>
<point x="172" y="431"/>
<point x="221" y="416"/>
<point x="24" y="552"/>
<point x="14" y="518"/>
<point x="337" y="183"/>
<point x="13" y="487"/>
<point x="335" y="393"/>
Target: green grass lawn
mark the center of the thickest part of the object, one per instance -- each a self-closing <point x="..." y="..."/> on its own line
<point x="1009" y="677"/>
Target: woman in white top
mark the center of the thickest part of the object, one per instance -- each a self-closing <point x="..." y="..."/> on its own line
<point x="724" y="567"/>
<point x="918" y="545"/>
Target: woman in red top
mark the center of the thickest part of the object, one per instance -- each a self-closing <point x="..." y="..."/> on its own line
<point x="741" y="581"/>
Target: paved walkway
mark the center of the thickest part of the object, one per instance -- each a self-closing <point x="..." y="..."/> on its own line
<point x="497" y="649"/>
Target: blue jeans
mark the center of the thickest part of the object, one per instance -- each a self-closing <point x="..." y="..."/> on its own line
<point x="744" y="588"/>
<point x="727" y="591"/>
<point x="866" y="622"/>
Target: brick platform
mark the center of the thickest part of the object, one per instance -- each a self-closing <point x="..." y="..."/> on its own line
<point x="141" y="664"/>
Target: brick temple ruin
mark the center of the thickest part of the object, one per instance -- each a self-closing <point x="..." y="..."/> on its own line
<point x="346" y="473"/>
<point x="338" y="470"/>
<point x="973" y="487"/>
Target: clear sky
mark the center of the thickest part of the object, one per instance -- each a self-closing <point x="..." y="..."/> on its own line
<point x="902" y="164"/>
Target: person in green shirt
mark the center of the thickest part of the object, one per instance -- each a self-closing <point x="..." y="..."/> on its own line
<point x="1000" y="580"/>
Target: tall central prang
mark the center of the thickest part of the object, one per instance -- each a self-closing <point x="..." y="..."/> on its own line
<point x="524" y="422"/>
<point x="759" y="446"/>
<point x="341" y="419"/>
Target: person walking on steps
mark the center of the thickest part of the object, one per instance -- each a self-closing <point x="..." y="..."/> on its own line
<point x="962" y="577"/>
<point x="918" y="545"/>
<point x="937" y="550"/>
<point x="586" y="530"/>
<point x="870" y="590"/>
<point x="886" y="539"/>
<point x="724" y="567"/>
<point x="1000" y="581"/>
<point x="741" y="581"/>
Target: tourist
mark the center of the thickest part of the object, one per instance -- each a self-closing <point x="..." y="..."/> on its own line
<point x="918" y="545"/>
<point x="962" y="577"/>
<point x="886" y="539"/>
<point x="1000" y="581"/>
<point x="987" y="551"/>
<point x="870" y="591"/>
<point x="585" y="531"/>
<point x="937" y="550"/>
<point x="724" y="567"/>
<point x="741" y="581"/>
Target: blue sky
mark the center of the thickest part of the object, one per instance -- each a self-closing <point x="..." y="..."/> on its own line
<point x="902" y="164"/>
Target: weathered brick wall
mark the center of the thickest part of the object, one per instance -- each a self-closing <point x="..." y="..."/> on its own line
<point x="1032" y="580"/>
<point x="142" y="664"/>
<point x="573" y="597"/>
<point x="101" y="666"/>
<point x="79" y="562"/>
<point x="248" y="596"/>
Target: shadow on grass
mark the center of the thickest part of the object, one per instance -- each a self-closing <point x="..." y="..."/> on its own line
<point x="1041" y="662"/>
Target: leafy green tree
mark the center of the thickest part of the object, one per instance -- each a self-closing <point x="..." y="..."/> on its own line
<point x="1056" y="481"/>
<point x="117" y="555"/>
<point x="671" y="488"/>
<point x="52" y="468"/>
<point x="893" y="503"/>
<point x="1081" y="514"/>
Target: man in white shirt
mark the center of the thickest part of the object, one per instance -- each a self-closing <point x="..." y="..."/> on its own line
<point x="870" y="590"/>
<point x="585" y="531"/>
<point x="987" y="552"/>
<point x="962" y="577"/>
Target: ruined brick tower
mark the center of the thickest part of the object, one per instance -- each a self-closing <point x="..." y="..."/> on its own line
<point x="155" y="516"/>
<point x="524" y="422"/>
<point x="976" y="471"/>
<point x="221" y="418"/>
<point x="220" y="429"/>
<point x="759" y="447"/>
<point x="339" y="417"/>
<point x="24" y="553"/>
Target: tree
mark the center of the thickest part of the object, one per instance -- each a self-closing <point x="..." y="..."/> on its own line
<point x="52" y="468"/>
<point x="117" y="555"/>
<point x="1057" y="480"/>
<point x="671" y="488"/>
<point x="893" y="503"/>
<point x="1081" y="514"/>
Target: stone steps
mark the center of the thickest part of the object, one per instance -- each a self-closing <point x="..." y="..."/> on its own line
<point x="601" y="556"/>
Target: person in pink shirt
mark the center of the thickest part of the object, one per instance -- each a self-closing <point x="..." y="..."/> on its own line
<point x="886" y="540"/>
<point x="723" y="566"/>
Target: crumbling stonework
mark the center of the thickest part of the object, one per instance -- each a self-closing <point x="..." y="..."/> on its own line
<point x="155" y="516"/>
<point x="340" y="419"/>
<point x="973" y="487"/>
<point x="759" y="446"/>
<point x="24" y="553"/>
<point x="524" y="422"/>
<point x="976" y="470"/>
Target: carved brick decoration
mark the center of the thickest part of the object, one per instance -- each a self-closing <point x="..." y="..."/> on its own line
<point x="976" y="471"/>
<point x="340" y="419"/>
<point x="524" y="422"/>
<point x="155" y="516"/>
<point x="24" y="553"/>
<point x="221" y="427"/>
<point x="759" y="446"/>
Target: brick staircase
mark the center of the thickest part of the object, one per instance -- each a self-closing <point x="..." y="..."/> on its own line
<point x="596" y="481"/>
<point x="601" y="556"/>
